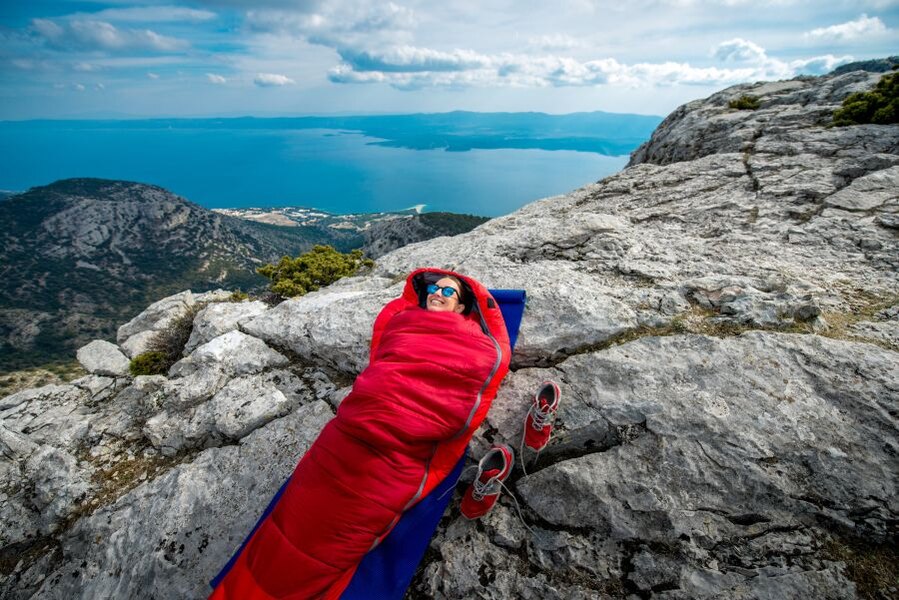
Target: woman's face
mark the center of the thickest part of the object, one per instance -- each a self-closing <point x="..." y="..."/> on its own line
<point x="437" y="301"/>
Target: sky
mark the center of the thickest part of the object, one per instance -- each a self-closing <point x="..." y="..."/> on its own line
<point x="221" y="58"/>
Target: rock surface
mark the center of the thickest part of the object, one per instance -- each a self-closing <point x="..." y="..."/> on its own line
<point x="721" y="317"/>
<point x="103" y="358"/>
<point x="221" y="317"/>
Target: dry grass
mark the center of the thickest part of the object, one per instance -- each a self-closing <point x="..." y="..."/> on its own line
<point x="874" y="567"/>
<point x="118" y="479"/>
<point x="57" y="373"/>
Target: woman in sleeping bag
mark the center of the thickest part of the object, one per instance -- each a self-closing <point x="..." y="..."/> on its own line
<point x="438" y="355"/>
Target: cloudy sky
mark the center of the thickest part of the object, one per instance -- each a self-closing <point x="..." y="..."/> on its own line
<point x="62" y="58"/>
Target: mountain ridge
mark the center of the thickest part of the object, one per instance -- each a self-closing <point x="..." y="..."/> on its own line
<point x="83" y="255"/>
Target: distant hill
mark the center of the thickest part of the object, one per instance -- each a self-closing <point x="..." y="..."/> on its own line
<point x="876" y="65"/>
<point x="379" y="233"/>
<point x="610" y="134"/>
<point x="80" y="257"/>
<point x="385" y="236"/>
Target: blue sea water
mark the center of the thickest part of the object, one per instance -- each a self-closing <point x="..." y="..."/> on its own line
<point x="336" y="171"/>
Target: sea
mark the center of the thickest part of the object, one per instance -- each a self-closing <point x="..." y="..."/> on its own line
<point x="336" y="170"/>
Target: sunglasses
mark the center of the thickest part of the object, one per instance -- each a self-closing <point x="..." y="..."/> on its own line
<point x="446" y="291"/>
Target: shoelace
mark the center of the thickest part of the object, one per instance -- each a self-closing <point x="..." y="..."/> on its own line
<point x="517" y="508"/>
<point x="508" y="491"/>
<point x="541" y="416"/>
<point x="481" y="489"/>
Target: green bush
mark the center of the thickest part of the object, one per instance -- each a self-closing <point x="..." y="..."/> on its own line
<point x="165" y="348"/>
<point x="172" y="339"/>
<point x="238" y="296"/>
<point x="745" y="103"/>
<point x="879" y="106"/>
<point x="149" y="363"/>
<point x="308" y="272"/>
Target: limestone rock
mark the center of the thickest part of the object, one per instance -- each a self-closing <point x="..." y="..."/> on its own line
<point x="233" y="352"/>
<point x="58" y="485"/>
<point x="54" y="414"/>
<point x="156" y="317"/>
<point x="330" y="325"/>
<point x="219" y="318"/>
<point x="103" y="358"/>
<point x="172" y="534"/>
<point x="138" y="343"/>
<point x="243" y="405"/>
<point x="710" y="126"/>
<point x="100" y="388"/>
<point x="218" y="295"/>
<point x="15" y="446"/>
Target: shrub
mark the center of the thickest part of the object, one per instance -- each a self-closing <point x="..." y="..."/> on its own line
<point x="238" y="296"/>
<point x="172" y="339"/>
<point x="745" y="103"/>
<point x="149" y="363"/>
<point x="879" y="106"/>
<point x="308" y="272"/>
<point x="165" y="348"/>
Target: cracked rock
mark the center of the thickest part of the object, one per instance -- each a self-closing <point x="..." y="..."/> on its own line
<point x="103" y="358"/>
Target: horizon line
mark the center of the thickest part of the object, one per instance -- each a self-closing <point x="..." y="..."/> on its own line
<point x="320" y="116"/>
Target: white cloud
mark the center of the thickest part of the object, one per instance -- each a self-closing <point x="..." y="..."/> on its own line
<point x="762" y="66"/>
<point x="100" y="35"/>
<point x="414" y="68"/>
<point x="85" y="67"/>
<point x="99" y="86"/>
<point x="862" y="27"/>
<point x="412" y="59"/>
<point x="78" y="87"/>
<point x="213" y="78"/>
<point x="818" y="65"/>
<point x="526" y="71"/>
<point x="339" y="24"/>
<point x="554" y="42"/>
<point x="152" y="75"/>
<point x="271" y="80"/>
<point x="136" y="62"/>
<point x="152" y="14"/>
<point x="740" y="51"/>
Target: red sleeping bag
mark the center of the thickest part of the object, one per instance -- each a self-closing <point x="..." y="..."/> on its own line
<point x="429" y="383"/>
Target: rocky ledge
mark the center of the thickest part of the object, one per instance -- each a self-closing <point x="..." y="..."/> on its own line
<point x="722" y="317"/>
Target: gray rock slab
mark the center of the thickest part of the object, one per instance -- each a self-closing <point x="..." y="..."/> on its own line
<point x="233" y="352"/>
<point x="103" y="358"/>
<point x="714" y="467"/>
<point x="138" y="343"/>
<point x="59" y="485"/>
<point x="885" y="332"/>
<point x="157" y="316"/>
<point x="219" y="318"/>
<point x="877" y="190"/>
<point x="241" y="406"/>
<point x="331" y="326"/>
<point x="218" y="295"/>
<point x="173" y="534"/>
<point x="57" y="415"/>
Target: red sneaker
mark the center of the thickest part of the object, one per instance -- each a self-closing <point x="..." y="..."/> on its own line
<point x="538" y="425"/>
<point x="493" y="469"/>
